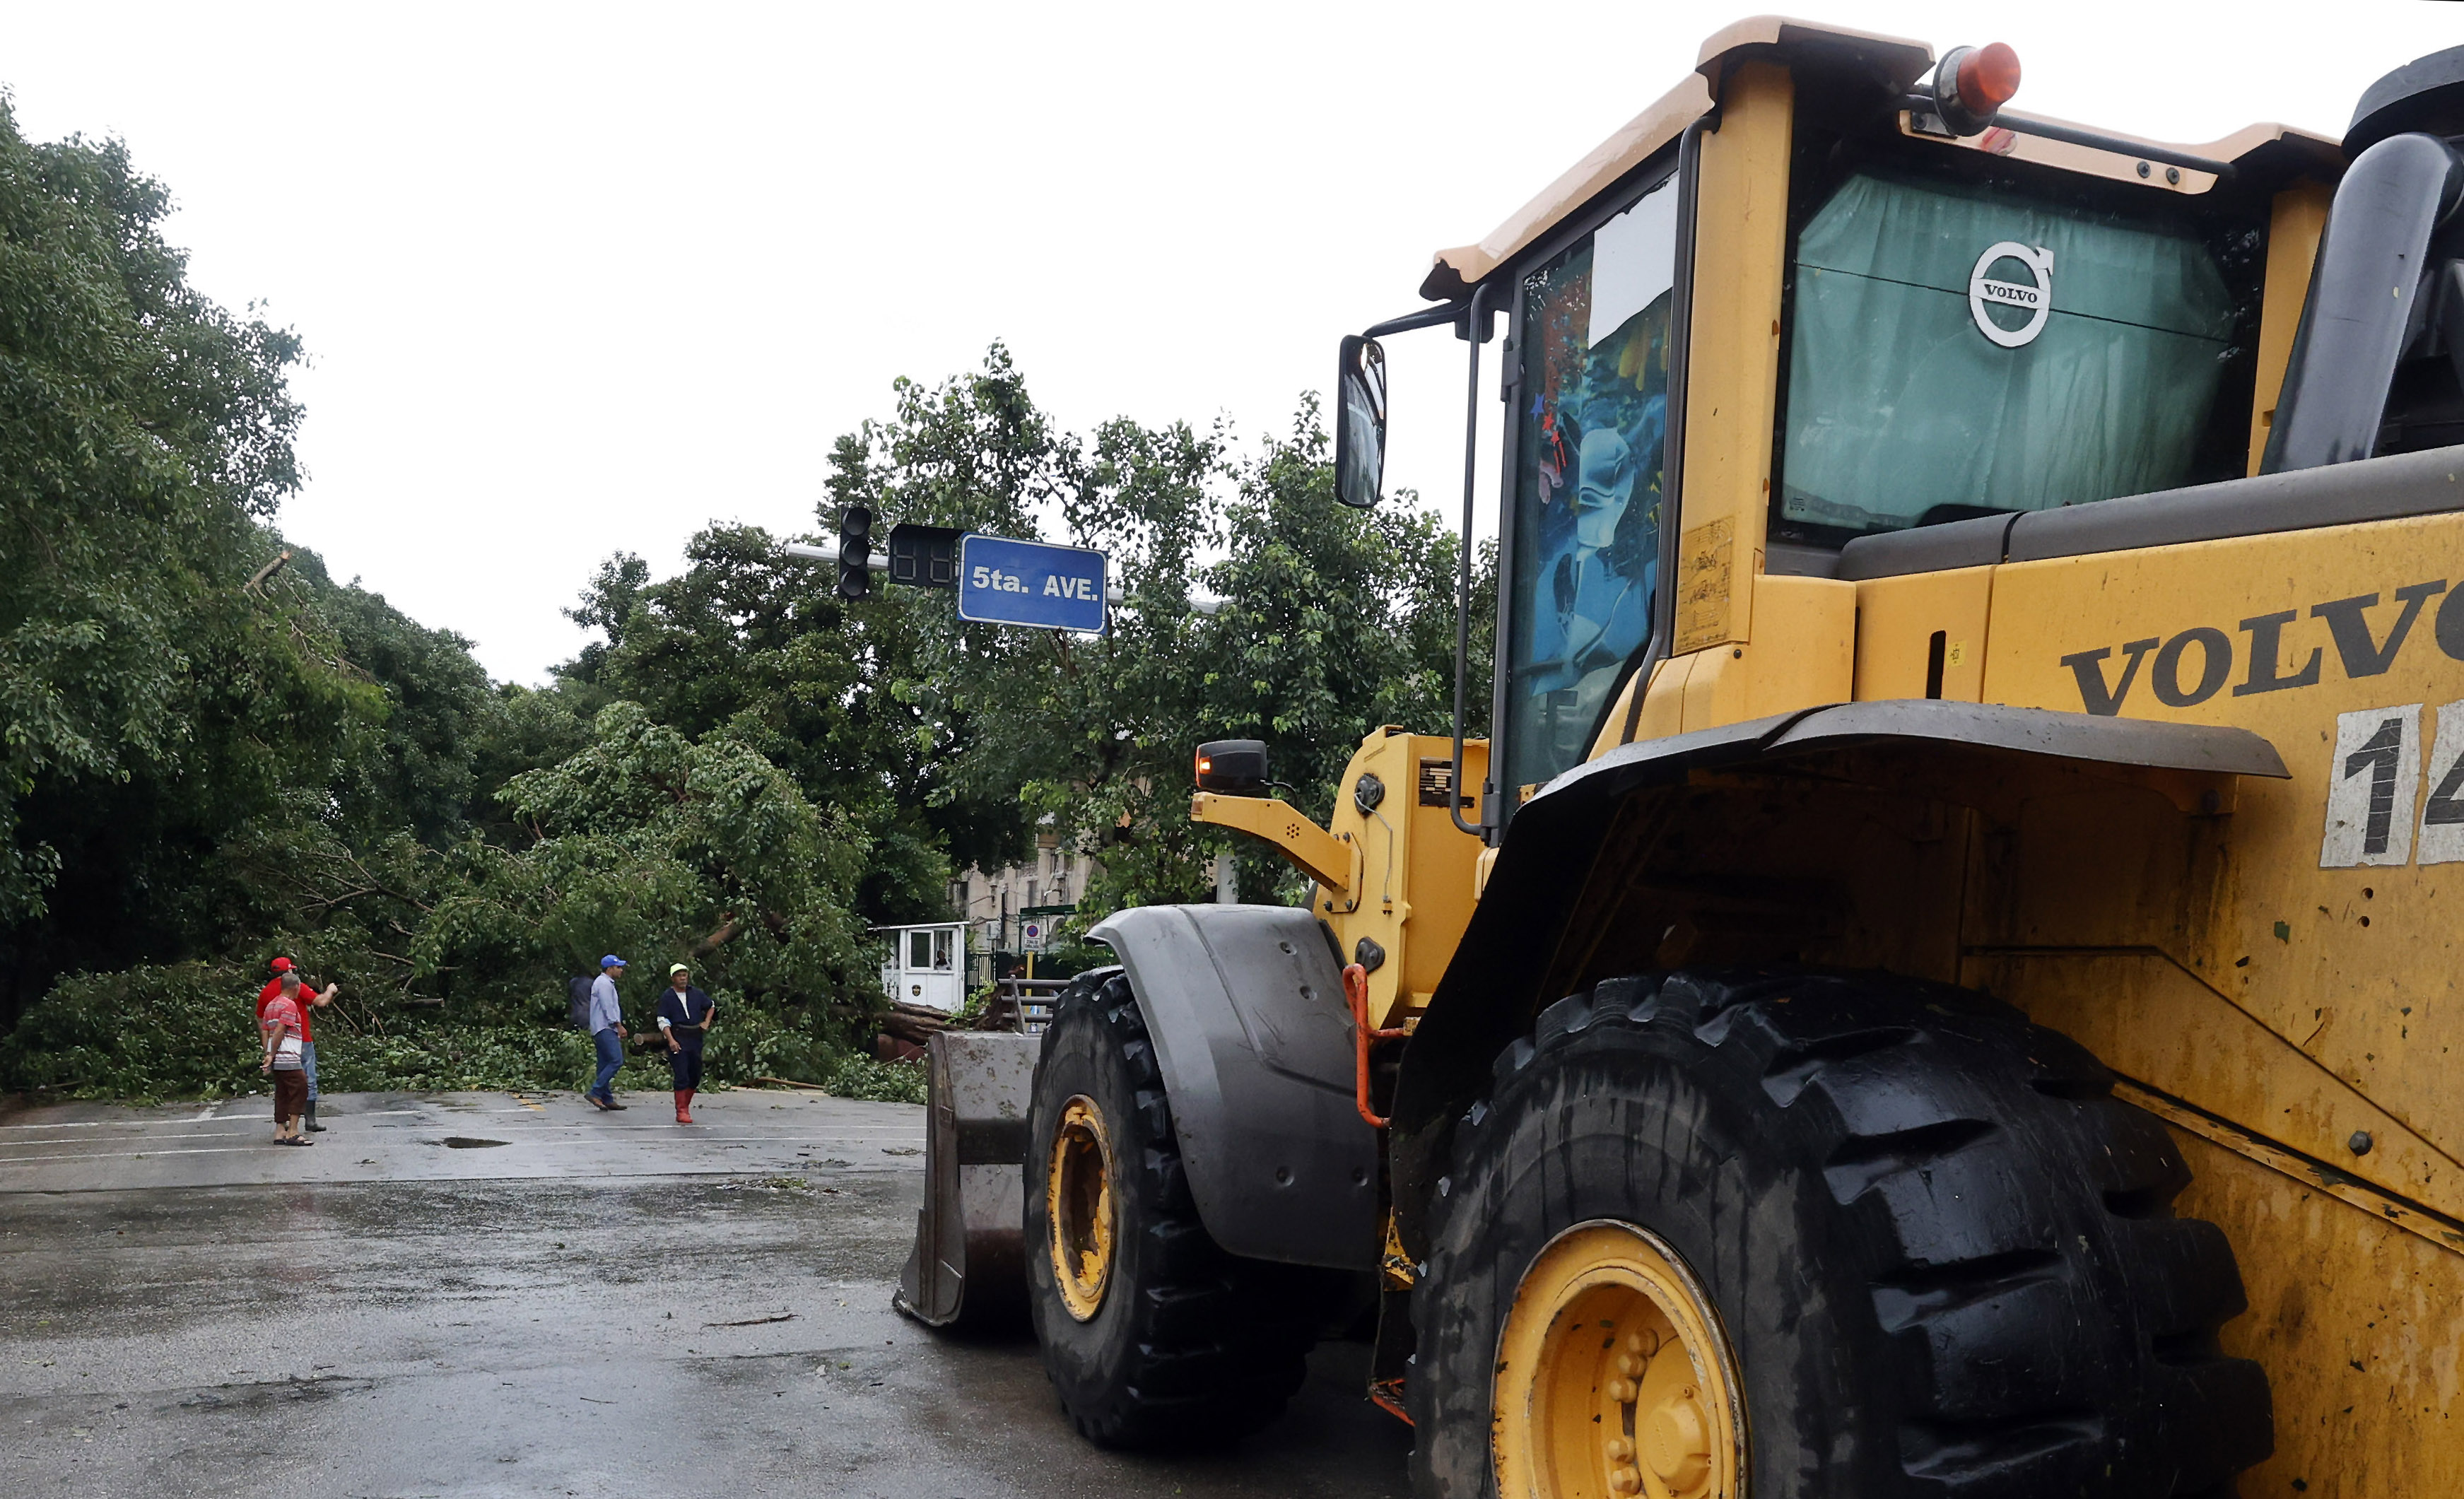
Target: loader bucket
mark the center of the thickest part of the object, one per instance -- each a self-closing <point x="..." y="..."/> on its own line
<point x="968" y="1267"/>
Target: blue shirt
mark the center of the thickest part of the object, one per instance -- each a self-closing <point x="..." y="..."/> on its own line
<point x="604" y="1015"/>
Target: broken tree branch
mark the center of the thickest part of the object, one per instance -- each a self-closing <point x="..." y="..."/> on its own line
<point x="258" y="579"/>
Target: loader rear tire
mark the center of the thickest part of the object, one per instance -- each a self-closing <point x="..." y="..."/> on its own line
<point x="1152" y="1334"/>
<point x="1932" y="1255"/>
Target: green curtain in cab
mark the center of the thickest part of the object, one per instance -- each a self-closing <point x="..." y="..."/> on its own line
<point x="1898" y="402"/>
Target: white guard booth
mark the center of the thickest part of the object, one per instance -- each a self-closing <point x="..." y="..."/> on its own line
<point x="928" y="965"/>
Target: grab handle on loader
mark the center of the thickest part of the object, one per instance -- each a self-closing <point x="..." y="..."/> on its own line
<point x="1355" y="994"/>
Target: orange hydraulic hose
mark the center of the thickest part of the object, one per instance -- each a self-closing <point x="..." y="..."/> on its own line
<point x="1355" y="994"/>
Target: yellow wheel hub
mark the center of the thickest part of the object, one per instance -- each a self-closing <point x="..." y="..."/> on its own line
<point x="1078" y="1205"/>
<point x="1614" y="1377"/>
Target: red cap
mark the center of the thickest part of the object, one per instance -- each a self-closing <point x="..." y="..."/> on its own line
<point x="282" y="965"/>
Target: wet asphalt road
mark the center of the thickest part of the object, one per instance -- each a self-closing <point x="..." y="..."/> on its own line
<point x="577" y="1311"/>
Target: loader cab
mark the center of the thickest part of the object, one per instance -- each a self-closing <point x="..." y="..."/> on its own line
<point x="1793" y="305"/>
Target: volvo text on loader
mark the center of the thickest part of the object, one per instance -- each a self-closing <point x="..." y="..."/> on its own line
<point x="1943" y="980"/>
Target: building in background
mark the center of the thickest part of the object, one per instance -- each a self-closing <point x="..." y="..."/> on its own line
<point x="999" y="907"/>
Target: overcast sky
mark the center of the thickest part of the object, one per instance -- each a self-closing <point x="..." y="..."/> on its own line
<point x="577" y="279"/>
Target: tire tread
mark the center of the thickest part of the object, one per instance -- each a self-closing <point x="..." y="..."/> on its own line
<point x="2053" y="1326"/>
<point x="1218" y="1343"/>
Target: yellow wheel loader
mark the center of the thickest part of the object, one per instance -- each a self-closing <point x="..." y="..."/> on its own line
<point x="1942" y="981"/>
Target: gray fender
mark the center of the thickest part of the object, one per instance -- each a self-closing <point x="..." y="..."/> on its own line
<point x="1244" y="1006"/>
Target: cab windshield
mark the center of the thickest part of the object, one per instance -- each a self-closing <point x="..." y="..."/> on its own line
<point x="1591" y="423"/>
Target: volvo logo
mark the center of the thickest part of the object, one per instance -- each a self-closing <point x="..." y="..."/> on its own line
<point x="2034" y="297"/>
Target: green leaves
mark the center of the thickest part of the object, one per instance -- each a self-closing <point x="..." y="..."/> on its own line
<point x="948" y="744"/>
<point x="1334" y="622"/>
<point x="666" y="849"/>
<point x="144" y="432"/>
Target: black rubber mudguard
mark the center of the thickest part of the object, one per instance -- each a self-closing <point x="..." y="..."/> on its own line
<point x="1244" y="1006"/>
<point x="1557" y="844"/>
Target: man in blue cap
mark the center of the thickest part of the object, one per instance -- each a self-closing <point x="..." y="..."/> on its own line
<point x="607" y="1033"/>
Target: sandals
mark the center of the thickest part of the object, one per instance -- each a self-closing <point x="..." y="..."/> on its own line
<point x="296" y="1140"/>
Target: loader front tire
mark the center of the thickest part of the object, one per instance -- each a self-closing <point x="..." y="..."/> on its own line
<point x="1152" y="1334"/>
<point x="1796" y="1235"/>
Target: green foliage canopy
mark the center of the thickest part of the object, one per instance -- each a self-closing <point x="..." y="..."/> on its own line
<point x="149" y="702"/>
<point x="662" y="849"/>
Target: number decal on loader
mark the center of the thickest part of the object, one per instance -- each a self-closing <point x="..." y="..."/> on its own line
<point x="2374" y="778"/>
<point x="2372" y="781"/>
<point x="2442" y="816"/>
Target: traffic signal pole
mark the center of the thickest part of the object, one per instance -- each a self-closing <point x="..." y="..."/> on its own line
<point x="876" y="562"/>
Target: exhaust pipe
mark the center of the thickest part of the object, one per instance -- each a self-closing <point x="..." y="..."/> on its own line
<point x="2386" y="289"/>
<point x="2370" y="297"/>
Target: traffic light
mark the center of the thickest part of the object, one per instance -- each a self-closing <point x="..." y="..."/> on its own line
<point x="924" y="557"/>
<point x="855" y="552"/>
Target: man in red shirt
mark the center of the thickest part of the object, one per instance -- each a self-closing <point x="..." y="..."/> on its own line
<point x="307" y="1001"/>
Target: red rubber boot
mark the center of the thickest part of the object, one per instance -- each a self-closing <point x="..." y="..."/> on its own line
<point x="684" y="1098"/>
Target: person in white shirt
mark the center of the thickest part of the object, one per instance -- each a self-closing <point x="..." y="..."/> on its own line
<point x="685" y="1014"/>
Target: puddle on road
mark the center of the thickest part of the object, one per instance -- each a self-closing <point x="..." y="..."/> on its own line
<point x="468" y="1143"/>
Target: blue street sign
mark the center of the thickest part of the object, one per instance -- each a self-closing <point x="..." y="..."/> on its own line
<point x="1005" y="582"/>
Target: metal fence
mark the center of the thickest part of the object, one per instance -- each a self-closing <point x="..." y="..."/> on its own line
<point x="1024" y="1004"/>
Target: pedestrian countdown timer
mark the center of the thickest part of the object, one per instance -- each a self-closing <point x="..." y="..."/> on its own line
<point x="1006" y="582"/>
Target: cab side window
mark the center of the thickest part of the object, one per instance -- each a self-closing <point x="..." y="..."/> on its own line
<point x="1591" y="452"/>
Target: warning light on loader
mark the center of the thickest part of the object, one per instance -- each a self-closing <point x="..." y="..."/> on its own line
<point x="1969" y="84"/>
<point x="1989" y="76"/>
<point x="1233" y="767"/>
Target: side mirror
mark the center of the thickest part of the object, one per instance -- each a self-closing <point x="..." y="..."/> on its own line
<point x="1233" y="767"/>
<point x="1360" y="423"/>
